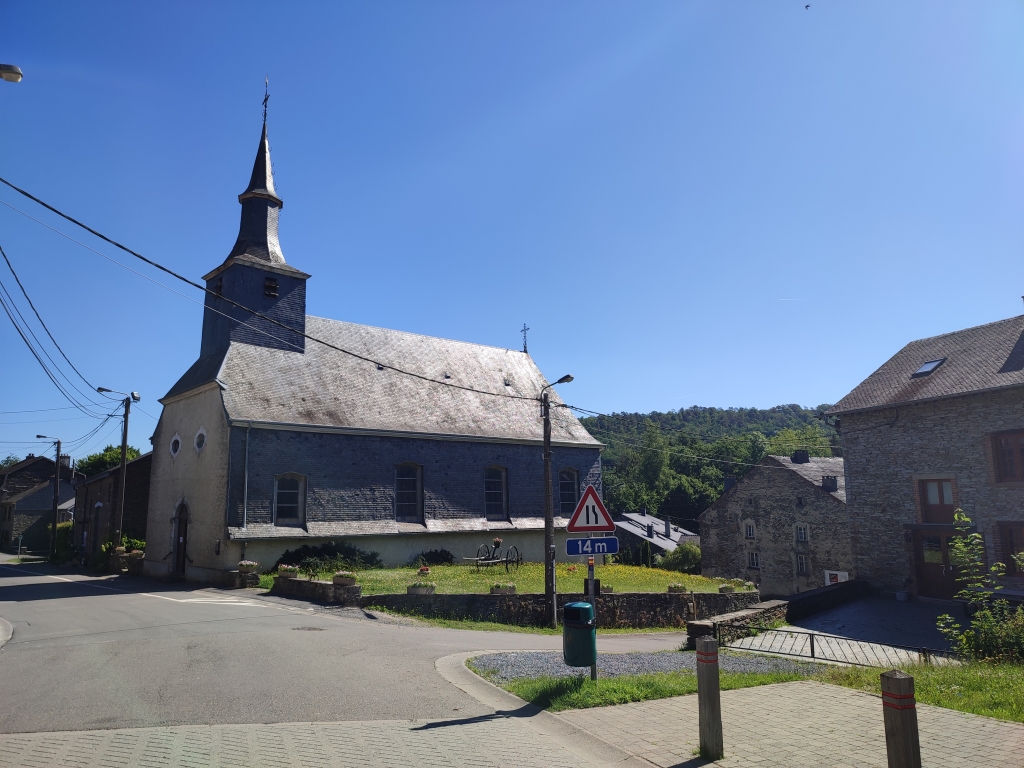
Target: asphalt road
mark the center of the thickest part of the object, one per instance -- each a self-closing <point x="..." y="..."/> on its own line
<point x="111" y="652"/>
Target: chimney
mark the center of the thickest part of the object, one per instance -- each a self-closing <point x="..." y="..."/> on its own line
<point x="830" y="483"/>
<point x="668" y="528"/>
<point x="65" y="460"/>
<point x="729" y="482"/>
<point x="643" y="511"/>
<point x="30" y="455"/>
<point x="800" y="457"/>
<point x="650" y="530"/>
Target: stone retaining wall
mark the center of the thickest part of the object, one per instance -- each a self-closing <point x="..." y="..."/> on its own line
<point x="125" y="564"/>
<point x="727" y="627"/>
<point x="626" y="609"/>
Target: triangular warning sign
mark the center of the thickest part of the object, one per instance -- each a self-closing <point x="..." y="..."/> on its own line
<point x="590" y="515"/>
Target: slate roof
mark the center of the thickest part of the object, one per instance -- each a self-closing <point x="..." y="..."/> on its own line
<point x="636" y="524"/>
<point x="326" y="388"/>
<point x="979" y="359"/>
<point x="813" y="470"/>
<point x="315" y="529"/>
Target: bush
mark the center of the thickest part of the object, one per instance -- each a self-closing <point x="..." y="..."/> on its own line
<point x="330" y="557"/>
<point x="685" y="558"/>
<point x="433" y="557"/>
<point x="101" y="560"/>
<point x="64" y="550"/>
<point x="129" y="544"/>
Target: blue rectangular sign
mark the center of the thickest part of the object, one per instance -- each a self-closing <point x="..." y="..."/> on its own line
<point x="605" y="545"/>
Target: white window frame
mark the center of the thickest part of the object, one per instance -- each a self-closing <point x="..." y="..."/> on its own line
<point x="801" y="565"/>
<point x="576" y="490"/>
<point x="170" y="446"/>
<point x="300" y="518"/>
<point x="805" y="530"/>
<point x="749" y="530"/>
<point x="195" y="440"/>
<point x="753" y="560"/>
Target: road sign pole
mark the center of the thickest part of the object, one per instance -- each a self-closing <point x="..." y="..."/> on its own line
<point x="593" y="602"/>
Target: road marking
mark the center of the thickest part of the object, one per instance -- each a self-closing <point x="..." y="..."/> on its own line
<point x="219" y="600"/>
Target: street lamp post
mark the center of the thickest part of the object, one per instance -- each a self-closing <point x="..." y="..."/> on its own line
<point x="549" y="514"/>
<point x="56" y="497"/>
<point x="128" y="398"/>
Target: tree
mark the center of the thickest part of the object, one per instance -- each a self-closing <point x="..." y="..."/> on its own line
<point x="10" y="461"/>
<point x="108" y="458"/>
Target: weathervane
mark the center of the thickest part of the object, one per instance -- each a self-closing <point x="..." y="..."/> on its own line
<point x="266" y="97"/>
<point x="525" y="329"/>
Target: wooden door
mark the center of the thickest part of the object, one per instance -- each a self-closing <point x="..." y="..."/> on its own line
<point x="181" y="544"/>
<point x="935" y="577"/>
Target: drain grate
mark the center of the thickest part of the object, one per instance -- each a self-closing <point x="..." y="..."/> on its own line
<point x="308" y="629"/>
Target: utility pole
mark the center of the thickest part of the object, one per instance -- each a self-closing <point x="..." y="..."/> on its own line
<point x="56" y="504"/>
<point x="124" y="459"/>
<point x="549" y="513"/>
<point x="549" y="520"/>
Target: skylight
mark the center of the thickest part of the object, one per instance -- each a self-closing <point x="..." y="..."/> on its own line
<point x="928" y="367"/>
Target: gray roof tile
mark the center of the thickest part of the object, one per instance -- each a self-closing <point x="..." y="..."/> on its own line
<point x="815" y="467"/>
<point x="977" y="359"/>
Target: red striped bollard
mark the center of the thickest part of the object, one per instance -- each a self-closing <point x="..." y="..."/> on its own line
<point x="899" y="709"/>
<point x="709" y="699"/>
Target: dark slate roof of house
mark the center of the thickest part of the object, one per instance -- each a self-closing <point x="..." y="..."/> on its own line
<point x="326" y="388"/>
<point x="977" y="359"/>
<point x="114" y="471"/>
<point x="320" y="529"/>
<point x="636" y="524"/>
<point x="814" y="469"/>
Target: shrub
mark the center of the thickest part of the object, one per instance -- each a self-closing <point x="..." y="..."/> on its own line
<point x="101" y="560"/>
<point x="433" y="557"/>
<point x="63" y="551"/>
<point x="331" y="556"/>
<point x="130" y="544"/>
<point x="684" y="558"/>
<point x="996" y="632"/>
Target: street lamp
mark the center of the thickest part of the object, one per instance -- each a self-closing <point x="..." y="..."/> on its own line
<point x="56" y="495"/>
<point x="10" y="73"/>
<point x="128" y="398"/>
<point x="549" y="514"/>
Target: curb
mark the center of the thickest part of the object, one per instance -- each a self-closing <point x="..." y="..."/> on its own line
<point x="6" y="630"/>
<point x="581" y="743"/>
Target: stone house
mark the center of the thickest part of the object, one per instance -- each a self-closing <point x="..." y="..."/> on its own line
<point x="292" y="429"/>
<point x="939" y="426"/>
<point x="96" y="500"/>
<point x="634" y="529"/>
<point x="26" y="501"/>
<point x="783" y="526"/>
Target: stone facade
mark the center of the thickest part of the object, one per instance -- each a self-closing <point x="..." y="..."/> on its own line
<point x="26" y="501"/>
<point x="778" y="499"/>
<point x="96" y="501"/>
<point x="890" y="452"/>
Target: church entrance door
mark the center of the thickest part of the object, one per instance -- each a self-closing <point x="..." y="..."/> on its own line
<point x="181" y="544"/>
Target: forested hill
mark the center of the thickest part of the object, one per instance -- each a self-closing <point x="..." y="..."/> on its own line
<point x="675" y="463"/>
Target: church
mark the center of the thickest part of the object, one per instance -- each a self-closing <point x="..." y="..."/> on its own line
<point x="291" y="429"/>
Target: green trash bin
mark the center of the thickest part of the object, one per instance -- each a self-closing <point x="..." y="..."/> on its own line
<point x="579" y="635"/>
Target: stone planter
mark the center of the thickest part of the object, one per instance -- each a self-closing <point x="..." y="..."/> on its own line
<point x="503" y="590"/>
<point x="247" y="569"/>
<point x="119" y="550"/>
<point x="726" y="589"/>
<point x="136" y="555"/>
<point x="606" y="590"/>
<point x="345" y="581"/>
<point x="286" y="574"/>
<point x="420" y="590"/>
<point x="677" y="590"/>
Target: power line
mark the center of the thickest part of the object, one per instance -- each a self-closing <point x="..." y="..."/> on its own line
<point x="40" y="410"/>
<point x="380" y="365"/>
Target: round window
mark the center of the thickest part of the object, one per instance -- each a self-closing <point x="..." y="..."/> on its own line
<point x="175" y="445"/>
<point x="200" y="440"/>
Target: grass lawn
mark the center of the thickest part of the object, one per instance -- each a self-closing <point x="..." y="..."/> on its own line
<point x="493" y="626"/>
<point x="456" y="579"/>
<point x="558" y="693"/>
<point x="993" y="690"/>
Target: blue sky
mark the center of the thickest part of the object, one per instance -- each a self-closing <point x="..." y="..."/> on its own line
<point x="728" y="204"/>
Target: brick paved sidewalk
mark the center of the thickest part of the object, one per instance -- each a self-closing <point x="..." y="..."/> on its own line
<point x="492" y="742"/>
<point x="800" y="725"/>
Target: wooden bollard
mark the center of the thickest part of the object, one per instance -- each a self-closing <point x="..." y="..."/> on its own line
<point x="899" y="709"/>
<point x="709" y="699"/>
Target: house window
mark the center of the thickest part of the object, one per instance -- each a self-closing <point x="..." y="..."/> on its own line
<point x="799" y="501"/>
<point x="937" y="498"/>
<point x="289" y="499"/>
<point x="1013" y="544"/>
<point x="801" y="564"/>
<point x="1008" y="448"/>
<point x="175" y="445"/>
<point x="496" y="493"/>
<point x="568" y="491"/>
<point x="753" y="561"/>
<point x="749" y="531"/>
<point x="270" y="288"/>
<point x="801" y="533"/>
<point x="409" y="493"/>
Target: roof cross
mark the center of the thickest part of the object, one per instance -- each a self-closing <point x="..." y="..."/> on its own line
<point x="525" y="329"/>
<point x="266" y="97"/>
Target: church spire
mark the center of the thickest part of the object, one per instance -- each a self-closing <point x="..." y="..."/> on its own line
<point x="257" y="231"/>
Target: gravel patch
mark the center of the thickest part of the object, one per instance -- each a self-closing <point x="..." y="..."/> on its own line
<point x="505" y="667"/>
